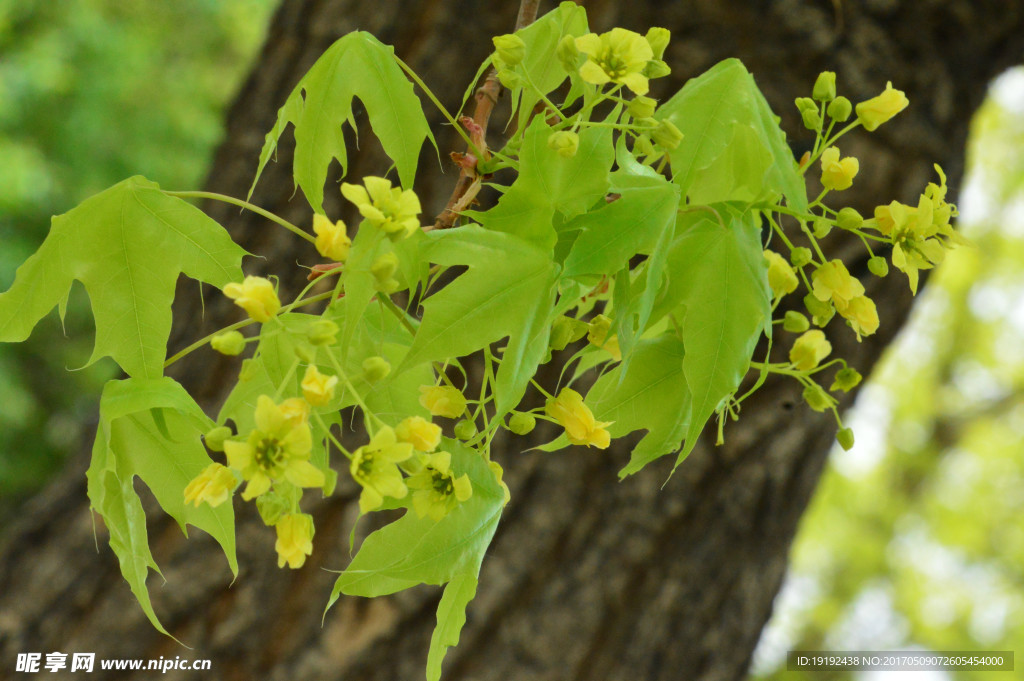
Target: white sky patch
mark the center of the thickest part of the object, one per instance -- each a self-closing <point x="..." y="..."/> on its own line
<point x="870" y="420"/>
<point x="1008" y="90"/>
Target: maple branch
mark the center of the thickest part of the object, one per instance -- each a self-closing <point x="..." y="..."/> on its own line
<point x="485" y="98"/>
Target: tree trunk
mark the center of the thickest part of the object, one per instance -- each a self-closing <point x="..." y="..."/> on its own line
<point x="588" y="578"/>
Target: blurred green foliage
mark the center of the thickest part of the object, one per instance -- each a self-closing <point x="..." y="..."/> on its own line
<point x="91" y="92"/>
<point x="916" y="537"/>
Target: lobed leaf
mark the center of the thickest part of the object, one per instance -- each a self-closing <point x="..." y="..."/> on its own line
<point x="508" y="290"/>
<point x="548" y="182"/>
<point x="717" y="274"/>
<point x="651" y="394"/>
<point x="356" y="65"/>
<point x="414" y="550"/>
<point x="151" y="428"/>
<point x="733" y="148"/>
<point x="127" y="245"/>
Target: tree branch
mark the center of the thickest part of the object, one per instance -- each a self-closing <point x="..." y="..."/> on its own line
<point x="485" y="98"/>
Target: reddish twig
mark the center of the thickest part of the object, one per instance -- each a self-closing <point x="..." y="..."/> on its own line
<point x="468" y="184"/>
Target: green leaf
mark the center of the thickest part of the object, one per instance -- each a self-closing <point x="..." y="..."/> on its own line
<point x="508" y="290"/>
<point x="451" y="617"/>
<point x="651" y="395"/>
<point x="632" y="224"/>
<point x="357" y="65"/>
<point x="414" y="550"/>
<point x="732" y="148"/>
<point x="548" y="182"/>
<point x="127" y="245"/>
<point x="151" y="428"/>
<point x="718" y="273"/>
<point x="544" y="71"/>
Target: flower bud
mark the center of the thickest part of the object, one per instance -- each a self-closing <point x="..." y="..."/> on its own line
<point x="800" y="256"/>
<point x="821" y="228"/>
<point x="840" y="109"/>
<point x="878" y="266"/>
<point x="465" y="429"/>
<point x="248" y="370"/>
<point x="781" y="277"/>
<point x="322" y="332"/>
<point x="375" y="369"/>
<point x="846" y="380"/>
<point x="849" y="218"/>
<point x="215" y="438"/>
<point x="443" y="400"/>
<point x="510" y="79"/>
<point x="825" y="87"/>
<point x="566" y="330"/>
<point x="305" y="353"/>
<point x="420" y="433"/>
<point x="877" y="110"/>
<point x="229" y="343"/>
<point x="805" y="104"/>
<point x="382" y="268"/>
<point x="658" y="39"/>
<point x="794" y="322"/>
<point x="845" y="439"/>
<point x="821" y="310"/>
<point x="510" y="48"/>
<point x="521" y="423"/>
<point x="667" y="135"/>
<point x="564" y="142"/>
<point x="568" y="53"/>
<point x="816" y="398"/>
<point x="811" y="119"/>
<point x="642" y="107"/>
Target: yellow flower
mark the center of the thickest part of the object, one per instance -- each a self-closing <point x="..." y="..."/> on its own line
<point x="862" y="316"/>
<point x="436" y="489"/>
<point x="781" y="276"/>
<point x="256" y="296"/>
<point x="390" y="209"/>
<point x="877" y="110"/>
<point x="214" y="485"/>
<point x="835" y="173"/>
<point x="509" y="49"/>
<point x="294" y="539"/>
<point x="419" y="432"/>
<point x="833" y="281"/>
<point x="618" y="56"/>
<point x="580" y="426"/>
<point x="317" y="388"/>
<point x="375" y="467"/>
<point x="295" y="411"/>
<point x="809" y="349"/>
<point x="443" y="400"/>
<point x="498" y="474"/>
<point x="278" y="448"/>
<point x="598" y="335"/>
<point x="331" y="238"/>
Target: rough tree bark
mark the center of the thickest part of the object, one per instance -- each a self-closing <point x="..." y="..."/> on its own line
<point x="588" y="578"/>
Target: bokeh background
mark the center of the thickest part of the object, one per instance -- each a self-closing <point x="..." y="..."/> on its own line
<point x="915" y="537"/>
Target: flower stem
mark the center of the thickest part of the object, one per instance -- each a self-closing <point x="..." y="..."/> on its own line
<point x="249" y="206"/>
